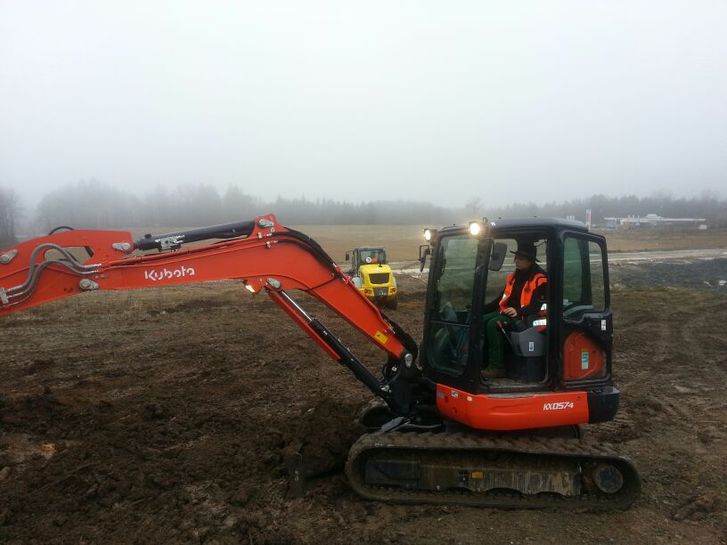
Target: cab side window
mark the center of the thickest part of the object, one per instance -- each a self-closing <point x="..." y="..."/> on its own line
<point x="583" y="276"/>
<point x="598" y="292"/>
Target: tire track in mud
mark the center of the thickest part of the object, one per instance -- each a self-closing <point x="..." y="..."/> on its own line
<point x="669" y="398"/>
<point x="641" y="348"/>
<point x="669" y="344"/>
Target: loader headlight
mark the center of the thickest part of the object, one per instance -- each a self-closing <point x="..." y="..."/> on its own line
<point x="429" y="234"/>
<point x="475" y="228"/>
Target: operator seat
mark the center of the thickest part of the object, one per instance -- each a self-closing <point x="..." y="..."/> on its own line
<point x="526" y="350"/>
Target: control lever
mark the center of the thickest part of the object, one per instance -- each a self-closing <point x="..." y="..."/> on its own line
<point x="501" y="327"/>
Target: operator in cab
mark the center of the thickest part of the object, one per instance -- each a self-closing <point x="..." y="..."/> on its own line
<point x="524" y="294"/>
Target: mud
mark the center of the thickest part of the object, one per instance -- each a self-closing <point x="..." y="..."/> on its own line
<point x="172" y="416"/>
<point x="699" y="274"/>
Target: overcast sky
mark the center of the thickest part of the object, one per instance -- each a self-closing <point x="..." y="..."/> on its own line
<point x="437" y="101"/>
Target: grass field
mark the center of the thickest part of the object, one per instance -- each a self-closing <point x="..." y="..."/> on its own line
<point x="402" y="241"/>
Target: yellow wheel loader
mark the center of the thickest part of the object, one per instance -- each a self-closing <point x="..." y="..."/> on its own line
<point x="373" y="276"/>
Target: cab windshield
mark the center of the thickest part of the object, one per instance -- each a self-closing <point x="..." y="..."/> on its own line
<point x="373" y="255"/>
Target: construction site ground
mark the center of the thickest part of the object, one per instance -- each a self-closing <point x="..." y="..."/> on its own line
<point x="167" y="416"/>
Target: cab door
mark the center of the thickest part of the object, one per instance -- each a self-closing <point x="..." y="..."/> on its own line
<point x="586" y="319"/>
<point x="457" y="276"/>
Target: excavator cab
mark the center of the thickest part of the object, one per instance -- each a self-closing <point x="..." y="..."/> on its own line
<point x="564" y="346"/>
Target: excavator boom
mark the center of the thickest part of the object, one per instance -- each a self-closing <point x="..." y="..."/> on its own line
<point x="262" y="254"/>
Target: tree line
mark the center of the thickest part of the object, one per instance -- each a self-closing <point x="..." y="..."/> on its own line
<point x="96" y="205"/>
<point x="9" y="215"/>
<point x="707" y="206"/>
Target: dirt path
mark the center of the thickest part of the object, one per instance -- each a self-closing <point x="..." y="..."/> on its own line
<point x="166" y="417"/>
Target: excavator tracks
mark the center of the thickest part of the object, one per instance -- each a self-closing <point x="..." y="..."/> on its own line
<point x="517" y="472"/>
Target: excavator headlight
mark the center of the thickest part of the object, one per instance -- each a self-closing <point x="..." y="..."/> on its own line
<point x="475" y="228"/>
<point x="429" y="234"/>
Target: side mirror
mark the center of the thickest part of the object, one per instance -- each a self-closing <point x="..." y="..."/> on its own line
<point x="424" y="251"/>
<point x="497" y="257"/>
<point x="348" y="256"/>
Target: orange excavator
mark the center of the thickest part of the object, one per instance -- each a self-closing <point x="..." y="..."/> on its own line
<point x="442" y="430"/>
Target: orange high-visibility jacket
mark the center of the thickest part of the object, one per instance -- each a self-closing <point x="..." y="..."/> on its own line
<point x="526" y="295"/>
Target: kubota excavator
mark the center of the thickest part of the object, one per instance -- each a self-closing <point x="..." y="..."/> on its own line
<point x="444" y="431"/>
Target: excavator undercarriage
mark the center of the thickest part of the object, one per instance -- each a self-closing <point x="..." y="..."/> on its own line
<point x="429" y="460"/>
<point x="505" y="471"/>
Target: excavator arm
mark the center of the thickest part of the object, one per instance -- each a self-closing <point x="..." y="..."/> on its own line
<point x="262" y="254"/>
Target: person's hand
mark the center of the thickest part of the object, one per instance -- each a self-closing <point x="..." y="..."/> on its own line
<point x="510" y="312"/>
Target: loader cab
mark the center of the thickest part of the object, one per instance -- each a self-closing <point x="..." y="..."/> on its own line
<point x="365" y="256"/>
<point x="565" y="345"/>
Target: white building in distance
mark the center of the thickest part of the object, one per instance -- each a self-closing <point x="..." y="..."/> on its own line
<point x="653" y="220"/>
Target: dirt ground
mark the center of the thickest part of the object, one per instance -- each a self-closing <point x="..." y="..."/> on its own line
<point x="166" y="416"/>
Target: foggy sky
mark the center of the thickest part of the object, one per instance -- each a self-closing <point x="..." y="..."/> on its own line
<point x="435" y="101"/>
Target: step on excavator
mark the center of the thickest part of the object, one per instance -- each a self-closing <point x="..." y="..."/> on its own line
<point x="443" y="431"/>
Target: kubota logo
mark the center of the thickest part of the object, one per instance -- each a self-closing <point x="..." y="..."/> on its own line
<point x="165" y="274"/>
<point x="558" y="406"/>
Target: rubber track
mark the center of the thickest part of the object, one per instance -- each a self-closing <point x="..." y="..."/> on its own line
<point x="452" y="442"/>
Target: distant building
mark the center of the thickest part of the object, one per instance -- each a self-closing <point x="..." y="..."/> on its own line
<point x="653" y="220"/>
